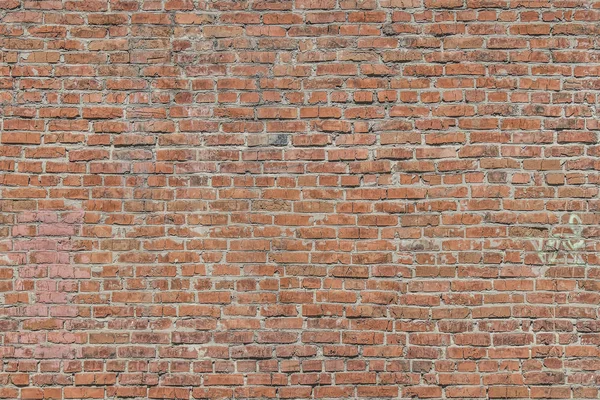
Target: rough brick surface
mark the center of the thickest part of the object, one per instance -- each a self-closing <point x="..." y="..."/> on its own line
<point x="299" y="199"/>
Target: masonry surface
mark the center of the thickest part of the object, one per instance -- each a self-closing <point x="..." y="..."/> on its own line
<point x="299" y="199"/>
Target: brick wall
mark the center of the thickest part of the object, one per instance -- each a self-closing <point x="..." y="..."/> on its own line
<point x="299" y="199"/>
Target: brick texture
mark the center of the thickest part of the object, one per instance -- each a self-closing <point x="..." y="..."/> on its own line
<point x="299" y="199"/>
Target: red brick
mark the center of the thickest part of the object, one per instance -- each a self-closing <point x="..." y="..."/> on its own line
<point x="299" y="199"/>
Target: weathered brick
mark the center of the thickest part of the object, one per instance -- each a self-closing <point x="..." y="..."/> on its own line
<point x="299" y="199"/>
